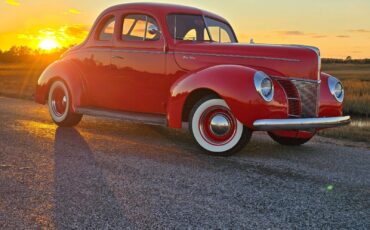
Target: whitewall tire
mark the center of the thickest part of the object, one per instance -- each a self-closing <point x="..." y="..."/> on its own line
<point x="59" y="103"/>
<point x="215" y="129"/>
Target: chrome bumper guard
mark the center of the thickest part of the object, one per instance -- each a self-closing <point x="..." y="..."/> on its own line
<point x="301" y="123"/>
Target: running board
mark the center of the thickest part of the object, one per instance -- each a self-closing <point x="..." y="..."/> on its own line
<point x="145" y="118"/>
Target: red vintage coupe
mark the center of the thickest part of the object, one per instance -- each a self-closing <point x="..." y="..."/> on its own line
<point x="173" y="65"/>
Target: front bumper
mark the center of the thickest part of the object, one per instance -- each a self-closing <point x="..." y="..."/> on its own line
<point x="300" y="123"/>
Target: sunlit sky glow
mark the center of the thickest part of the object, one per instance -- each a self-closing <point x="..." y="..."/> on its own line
<point x="339" y="28"/>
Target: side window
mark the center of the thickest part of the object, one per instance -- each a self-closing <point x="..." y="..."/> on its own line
<point x="140" y="28"/>
<point x="219" y="34"/>
<point x="107" y="31"/>
<point x="219" y="31"/>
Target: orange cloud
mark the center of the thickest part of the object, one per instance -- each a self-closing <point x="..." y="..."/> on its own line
<point x="360" y="31"/>
<point x="291" y="32"/>
<point x="64" y="36"/>
<point x="76" y="31"/>
<point x="12" y="2"/>
<point x="343" y="36"/>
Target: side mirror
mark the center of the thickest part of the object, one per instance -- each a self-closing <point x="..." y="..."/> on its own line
<point x="153" y="30"/>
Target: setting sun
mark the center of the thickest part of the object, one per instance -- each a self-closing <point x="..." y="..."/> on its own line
<point x="48" y="44"/>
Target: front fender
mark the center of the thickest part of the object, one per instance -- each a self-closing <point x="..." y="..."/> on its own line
<point x="329" y="106"/>
<point x="234" y="84"/>
<point x="66" y="71"/>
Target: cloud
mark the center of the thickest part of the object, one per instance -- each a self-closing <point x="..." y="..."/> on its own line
<point x="13" y="2"/>
<point x="74" y="11"/>
<point x="47" y="31"/>
<point x="318" y="36"/>
<point x="301" y="33"/>
<point x="360" y="31"/>
<point x="343" y="36"/>
<point x="291" y="32"/>
<point x="65" y="35"/>
<point x="76" y="31"/>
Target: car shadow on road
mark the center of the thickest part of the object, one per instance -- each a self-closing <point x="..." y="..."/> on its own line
<point x="82" y="195"/>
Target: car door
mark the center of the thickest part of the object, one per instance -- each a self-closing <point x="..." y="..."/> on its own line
<point x="103" y="89"/>
<point x="139" y="60"/>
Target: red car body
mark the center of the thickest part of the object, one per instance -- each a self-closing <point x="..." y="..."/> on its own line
<point x="163" y="79"/>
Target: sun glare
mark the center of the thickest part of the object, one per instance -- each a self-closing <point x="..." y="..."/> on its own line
<point x="48" y="44"/>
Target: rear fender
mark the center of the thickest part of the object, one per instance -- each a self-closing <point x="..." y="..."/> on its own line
<point x="66" y="71"/>
<point x="234" y="84"/>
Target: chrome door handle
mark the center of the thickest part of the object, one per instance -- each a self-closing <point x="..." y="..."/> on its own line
<point x="118" y="57"/>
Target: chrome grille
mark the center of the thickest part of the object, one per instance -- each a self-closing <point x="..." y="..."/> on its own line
<point x="308" y="93"/>
<point x="302" y="97"/>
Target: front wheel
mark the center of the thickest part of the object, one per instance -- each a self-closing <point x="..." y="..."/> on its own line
<point x="215" y="129"/>
<point x="59" y="103"/>
<point x="290" y="141"/>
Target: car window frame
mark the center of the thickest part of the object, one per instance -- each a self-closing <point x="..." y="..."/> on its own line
<point x="224" y="22"/>
<point x="187" y="14"/>
<point x="102" y="24"/>
<point x="206" y="27"/>
<point x="120" y="30"/>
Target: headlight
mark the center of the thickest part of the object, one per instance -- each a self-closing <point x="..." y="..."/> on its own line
<point x="264" y="85"/>
<point x="336" y="88"/>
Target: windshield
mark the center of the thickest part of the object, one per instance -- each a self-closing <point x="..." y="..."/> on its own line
<point x="198" y="28"/>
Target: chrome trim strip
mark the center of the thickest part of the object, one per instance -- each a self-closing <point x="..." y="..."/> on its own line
<point x="237" y="56"/>
<point x="296" y="79"/>
<point x="300" y="123"/>
<point x="186" y="53"/>
<point x="292" y="115"/>
<point x="137" y="51"/>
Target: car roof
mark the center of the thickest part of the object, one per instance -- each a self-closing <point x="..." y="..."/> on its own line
<point x="163" y="9"/>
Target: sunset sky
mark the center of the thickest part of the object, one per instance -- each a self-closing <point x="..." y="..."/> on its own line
<point x="339" y="28"/>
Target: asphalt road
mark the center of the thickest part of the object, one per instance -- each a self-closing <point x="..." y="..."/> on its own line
<point x="111" y="175"/>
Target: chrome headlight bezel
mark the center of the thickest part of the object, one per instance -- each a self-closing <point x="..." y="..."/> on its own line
<point x="263" y="82"/>
<point x="338" y="93"/>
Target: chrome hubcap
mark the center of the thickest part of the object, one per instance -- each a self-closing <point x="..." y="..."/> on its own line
<point x="64" y="101"/>
<point x="220" y="125"/>
<point x="59" y="102"/>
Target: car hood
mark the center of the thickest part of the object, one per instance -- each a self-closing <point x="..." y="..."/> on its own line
<point x="277" y="60"/>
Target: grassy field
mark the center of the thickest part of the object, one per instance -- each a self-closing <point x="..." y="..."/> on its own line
<point x="19" y="80"/>
<point x="356" y="81"/>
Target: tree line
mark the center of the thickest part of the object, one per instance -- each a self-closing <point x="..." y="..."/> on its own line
<point x="18" y="54"/>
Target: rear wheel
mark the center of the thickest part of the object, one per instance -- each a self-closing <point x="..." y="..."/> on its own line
<point x="215" y="129"/>
<point x="59" y="103"/>
<point x="291" y="141"/>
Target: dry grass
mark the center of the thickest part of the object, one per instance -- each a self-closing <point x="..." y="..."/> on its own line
<point x="357" y="97"/>
<point x="348" y="71"/>
<point x="19" y="80"/>
<point x="358" y="130"/>
<point x="356" y="81"/>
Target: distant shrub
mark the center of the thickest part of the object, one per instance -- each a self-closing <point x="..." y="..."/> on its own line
<point x="346" y="61"/>
<point x="24" y="54"/>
